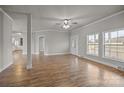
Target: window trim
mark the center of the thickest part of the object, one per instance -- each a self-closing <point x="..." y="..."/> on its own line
<point x="103" y="54"/>
<point x="87" y="53"/>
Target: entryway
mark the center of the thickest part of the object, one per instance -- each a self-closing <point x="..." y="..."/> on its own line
<point x="41" y="45"/>
<point x="74" y="45"/>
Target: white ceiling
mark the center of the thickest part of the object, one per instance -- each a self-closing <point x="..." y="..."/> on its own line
<point x="45" y="17"/>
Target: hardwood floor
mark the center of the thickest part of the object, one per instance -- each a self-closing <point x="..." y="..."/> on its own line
<point x="60" y="71"/>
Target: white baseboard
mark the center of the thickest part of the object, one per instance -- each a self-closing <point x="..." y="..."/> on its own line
<point x="6" y="67"/>
<point x="101" y="62"/>
<point x="75" y="55"/>
<point x="50" y="54"/>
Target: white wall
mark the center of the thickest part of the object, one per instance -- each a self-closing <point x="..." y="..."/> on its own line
<point x="1" y="40"/>
<point x="112" y="23"/>
<point x="24" y="35"/>
<point x="55" y="42"/>
<point x="5" y="43"/>
<point x="74" y="44"/>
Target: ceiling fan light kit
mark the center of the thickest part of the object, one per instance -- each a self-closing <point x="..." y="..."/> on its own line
<point x="66" y="24"/>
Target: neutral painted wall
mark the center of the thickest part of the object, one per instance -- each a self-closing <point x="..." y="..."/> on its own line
<point x="1" y="40"/>
<point x="109" y="24"/>
<point x="24" y="35"/>
<point x="74" y="44"/>
<point x="55" y="42"/>
<point x="6" y="45"/>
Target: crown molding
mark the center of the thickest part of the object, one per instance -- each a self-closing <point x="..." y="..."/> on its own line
<point x="105" y="18"/>
<point x="50" y="31"/>
<point x="6" y="14"/>
<point x="100" y="20"/>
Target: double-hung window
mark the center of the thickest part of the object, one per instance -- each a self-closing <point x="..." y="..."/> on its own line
<point x="93" y="44"/>
<point x="114" y="45"/>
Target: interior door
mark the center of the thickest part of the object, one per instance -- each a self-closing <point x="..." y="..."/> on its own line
<point x="74" y="45"/>
<point x="41" y="45"/>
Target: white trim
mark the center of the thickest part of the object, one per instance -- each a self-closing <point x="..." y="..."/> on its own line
<point x="74" y="51"/>
<point x="36" y="31"/>
<point x="100" y="20"/>
<point x="113" y="59"/>
<point x="87" y="38"/>
<point x="88" y="54"/>
<point x="101" y="62"/>
<point x="107" y="64"/>
<point x="43" y="42"/>
<point x="113" y="30"/>
<point x="49" y="30"/>
<point x="50" y="54"/>
<point x="103" y="55"/>
<point x="104" y="18"/>
<point x="6" y="67"/>
<point x="6" y="14"/>
<point x="76" y="55"/>
<point x="97" y="61"/>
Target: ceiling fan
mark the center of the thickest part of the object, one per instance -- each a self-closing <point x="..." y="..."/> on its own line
<point x="66" y="23"/>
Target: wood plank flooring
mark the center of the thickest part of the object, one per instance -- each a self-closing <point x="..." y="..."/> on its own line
<point x="59" y="71"/>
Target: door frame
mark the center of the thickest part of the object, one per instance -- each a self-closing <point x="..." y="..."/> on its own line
<point x="43" y="43"/>
<point x="74" y="51"/>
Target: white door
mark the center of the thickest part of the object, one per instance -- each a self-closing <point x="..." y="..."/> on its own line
<point x="41" y="45"/>
<point x="74" y="45"/>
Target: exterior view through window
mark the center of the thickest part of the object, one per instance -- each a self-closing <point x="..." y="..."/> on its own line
<point x="114" y="45"/>
<point x="93" y="44"/>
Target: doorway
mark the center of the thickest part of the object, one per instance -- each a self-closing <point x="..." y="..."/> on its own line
<point x="74" y="45"/>
<point x="17" y="47"/>
<point x="41" y="45"/>
<point x="17" y="42"/>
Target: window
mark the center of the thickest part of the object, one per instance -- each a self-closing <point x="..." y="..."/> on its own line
<point x="93" y="44"/>
<point x="114" y="45"/>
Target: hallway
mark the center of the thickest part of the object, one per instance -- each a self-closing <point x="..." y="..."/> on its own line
<point x="59" y="71"/>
